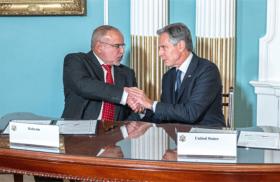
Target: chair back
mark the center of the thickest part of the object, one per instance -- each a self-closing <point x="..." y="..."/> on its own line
<point x="228" y="107"/>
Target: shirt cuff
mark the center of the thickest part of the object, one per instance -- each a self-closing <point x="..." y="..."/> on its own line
<point x="124" y="132"/>
<point x="154" y="106"/>
<point x="142" y="115"/>
<point x="100" y="152"/>
<point x="124" y="98"/>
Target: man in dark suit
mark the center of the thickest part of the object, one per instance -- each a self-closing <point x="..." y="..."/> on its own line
<point x="94" y="82"/>
<point x="191" y="89"/>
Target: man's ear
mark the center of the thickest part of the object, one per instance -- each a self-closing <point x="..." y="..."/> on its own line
<point x="181" y="45"/>
<point x="97" y="47"/>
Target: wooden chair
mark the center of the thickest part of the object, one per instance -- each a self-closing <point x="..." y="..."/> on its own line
<point x="228" y="107"/>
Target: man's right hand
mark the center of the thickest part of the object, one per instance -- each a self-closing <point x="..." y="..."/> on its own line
<point x="132" y="102"/>
<point x="136" y="129"/>
<point x="139" y="97"/>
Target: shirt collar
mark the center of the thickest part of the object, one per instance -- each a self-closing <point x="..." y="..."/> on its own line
<point x="186" y="63"/>
<point x="98" y="59"/>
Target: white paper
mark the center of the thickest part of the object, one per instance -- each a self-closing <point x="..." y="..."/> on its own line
<point x="259" y="140"/>
<point x="44" y="122"/>
<point x="34" y="134"/>
<point x="207" y="159"/>
<point x="207" y="144"/>
<point x="207" y="130"/>
<point x="35" y="148"/>
<point x="77" y="126"/>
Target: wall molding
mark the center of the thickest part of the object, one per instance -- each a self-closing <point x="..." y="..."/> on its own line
<point x="267" y="87"/>
<point x="266" y="55"/>
<point x="106" y="12"/>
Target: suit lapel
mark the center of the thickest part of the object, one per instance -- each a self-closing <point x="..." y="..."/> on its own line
<point x="95" y="66"/>
<point x="119" y="80"/>
<point x="188" y="76"/>
<point x="172" y="85"/>
<point x="119" y="77"/>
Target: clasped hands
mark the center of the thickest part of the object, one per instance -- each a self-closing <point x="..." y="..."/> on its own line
<point x="137" y="99"/>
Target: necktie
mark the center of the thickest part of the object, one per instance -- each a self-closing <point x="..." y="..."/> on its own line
<point x="108" y="108"/>
<point x="178" y="82"/>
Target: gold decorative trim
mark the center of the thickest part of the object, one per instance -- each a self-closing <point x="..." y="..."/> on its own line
<point x="42" y="7"/>
<point x="221" y="51"/>
<point x="148" y="66"/>
<point x="49" y="175"/>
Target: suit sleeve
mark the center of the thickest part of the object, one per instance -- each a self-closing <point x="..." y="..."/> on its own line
<point x="206" y="88"/>
<point x="80" y="78"/>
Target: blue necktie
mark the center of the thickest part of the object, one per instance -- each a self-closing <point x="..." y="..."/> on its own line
<point x="178" y="82"/>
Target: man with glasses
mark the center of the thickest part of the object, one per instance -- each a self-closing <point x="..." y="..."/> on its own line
<point x="191" y="88"/>
<point x="95" y="82"/>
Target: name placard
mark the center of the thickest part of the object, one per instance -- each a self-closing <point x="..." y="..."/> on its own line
<point x="34" y="134"/>
<point x="207" y="144"/>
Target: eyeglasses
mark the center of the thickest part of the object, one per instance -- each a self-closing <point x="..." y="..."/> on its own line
<point x="117" y="46"/>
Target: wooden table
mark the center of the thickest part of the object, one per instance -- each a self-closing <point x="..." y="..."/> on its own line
<point x="80" y="163"/>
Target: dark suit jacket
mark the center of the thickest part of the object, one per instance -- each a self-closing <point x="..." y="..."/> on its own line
<point x="199" y="99"/>
<point x="85" y="89"/>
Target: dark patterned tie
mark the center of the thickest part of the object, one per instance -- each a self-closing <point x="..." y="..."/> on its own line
<point x="108" y="108"/>
<point x="178" y="82"/>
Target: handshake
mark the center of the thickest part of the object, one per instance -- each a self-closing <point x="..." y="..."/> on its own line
<point x="137" y="100"/>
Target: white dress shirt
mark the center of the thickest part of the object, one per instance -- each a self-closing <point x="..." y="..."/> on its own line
<point x="124" y="95"/>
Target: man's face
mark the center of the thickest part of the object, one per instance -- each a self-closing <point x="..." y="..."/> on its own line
<point x="168" y="52"/>
<point x="111" y="48"/>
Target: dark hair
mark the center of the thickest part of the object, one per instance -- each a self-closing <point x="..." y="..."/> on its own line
<point x="178" y="32"/>
<point x="100" y="31"/>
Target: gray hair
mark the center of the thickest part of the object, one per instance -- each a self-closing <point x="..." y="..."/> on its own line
<point x="178" y="32"/>
<point x="101" y="31"/>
